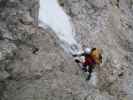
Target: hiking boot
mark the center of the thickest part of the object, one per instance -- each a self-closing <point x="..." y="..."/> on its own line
<point x="89" y="77"/>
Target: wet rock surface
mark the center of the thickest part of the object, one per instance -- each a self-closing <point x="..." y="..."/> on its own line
<point x="34" y="67"/>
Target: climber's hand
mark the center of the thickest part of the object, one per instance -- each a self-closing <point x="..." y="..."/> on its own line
<point x="77" y="61"/>
<point x="74" y="55"/>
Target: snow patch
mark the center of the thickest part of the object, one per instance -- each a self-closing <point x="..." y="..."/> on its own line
<point x="51" y="14"/>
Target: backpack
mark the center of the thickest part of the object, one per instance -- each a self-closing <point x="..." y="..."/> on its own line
<point x="96" y="55"/>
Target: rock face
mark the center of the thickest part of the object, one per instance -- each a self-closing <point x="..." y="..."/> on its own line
<point x="107" y="24"/>
<point x="34" y="67"/>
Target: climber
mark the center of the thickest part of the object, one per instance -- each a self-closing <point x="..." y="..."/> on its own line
<point x="92" y="57"/>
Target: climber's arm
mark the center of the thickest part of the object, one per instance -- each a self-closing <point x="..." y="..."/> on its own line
<point x="79" y="55"/>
